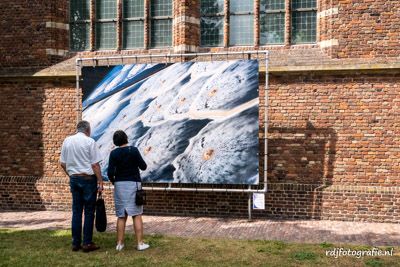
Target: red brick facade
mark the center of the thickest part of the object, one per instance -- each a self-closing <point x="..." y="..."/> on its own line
<point x="30" y="37"/>
<point x="333" y="129"/>
<point x="367" y="29"/>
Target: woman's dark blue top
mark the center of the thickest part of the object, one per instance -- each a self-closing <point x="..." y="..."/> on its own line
<point x="124" y="164"/>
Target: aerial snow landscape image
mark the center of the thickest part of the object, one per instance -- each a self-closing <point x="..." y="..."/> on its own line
<point x="193" y="122"/>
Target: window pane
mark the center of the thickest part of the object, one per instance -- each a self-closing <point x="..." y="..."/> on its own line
<point x="212" y="31"/>
<point x="161" y="33"/>
<point x="272" y="5"/>
<point x="133" y="36"/>
<point x="133" y="8"/>
<point x="106" y="9"/>
<point x="80" y="36"/>
<point x="106" y="35"/>
<point x="161" y="8"/>
<point x="211" y="7"/>
<point x="304" y="4"/>
<point x="272" y="28"/>
<point x="241" y="30"/>
<point x="304" y="27"/>
<point x="80" y="10"/>
<point x="241" y="6"/>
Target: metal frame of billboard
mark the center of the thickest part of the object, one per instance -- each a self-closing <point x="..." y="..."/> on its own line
<point x="95" y="62"/>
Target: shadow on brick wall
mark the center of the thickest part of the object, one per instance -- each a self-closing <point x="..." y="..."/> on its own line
<point x="300" y="165"/>
<point x="21" y="140"/>
<point x="37" y="114"/>
<point x="21" y="129"/>
<point x="301" y="155"/>
<point x="20" y="193"/>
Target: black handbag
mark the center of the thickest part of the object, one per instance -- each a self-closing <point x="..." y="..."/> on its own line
<point x="140" y="196"/>
<point x="101" y="217"/>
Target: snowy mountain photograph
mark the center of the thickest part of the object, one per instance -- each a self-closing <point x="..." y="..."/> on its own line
<point x="193" y="122"/>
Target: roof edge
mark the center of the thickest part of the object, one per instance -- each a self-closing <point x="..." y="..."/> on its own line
<point x="356" y="67"/>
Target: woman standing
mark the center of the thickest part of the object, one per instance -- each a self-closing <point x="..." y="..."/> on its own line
<point x="123" y="171"/>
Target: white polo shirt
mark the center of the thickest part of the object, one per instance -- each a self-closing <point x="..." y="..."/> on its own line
<point x="79" y="152"/>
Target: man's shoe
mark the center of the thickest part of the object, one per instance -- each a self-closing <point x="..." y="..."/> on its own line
<point x="90" y="247"/>
<point x="143" y="246"/>
<point x="76" y="248"/>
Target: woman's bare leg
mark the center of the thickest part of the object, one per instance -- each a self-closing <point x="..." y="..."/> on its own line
<point x="138" y="226"/>
<point x="121" y="222"/>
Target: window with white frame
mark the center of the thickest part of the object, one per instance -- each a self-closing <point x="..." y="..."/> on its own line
<point x="106" y="25"/>
<point x="79" y="25"/>
<point x="304" y="21"/>
<point x="272" y="18"/>
<point x="161" y="23"/>
<point x="241" y="27"/>
<point x="272" y="22"/>
<point x="212" y="22"/>
<point x="133" y="24"/>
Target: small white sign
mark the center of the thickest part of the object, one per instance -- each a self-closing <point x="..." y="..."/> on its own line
<point x="258" y="201"/>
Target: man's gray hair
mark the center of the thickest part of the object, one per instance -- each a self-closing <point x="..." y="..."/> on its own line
<point x="83" y="126"/>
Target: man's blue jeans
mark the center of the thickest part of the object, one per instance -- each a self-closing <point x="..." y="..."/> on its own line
<point x="84" y="192"/>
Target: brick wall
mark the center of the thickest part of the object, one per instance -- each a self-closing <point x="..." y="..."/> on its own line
<point x="33" y="33"/>
<point x="36" y="116"/>
<point x="333" y="141"/>
<point x="367" y="29"/>
<point x="343" y="126"/>
<point x="332" y="146"/>
<point x="283" y="201"/>
<point x="39" y="35"/>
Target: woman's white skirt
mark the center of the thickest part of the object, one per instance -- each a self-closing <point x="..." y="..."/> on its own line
<point x="124" y="198"/>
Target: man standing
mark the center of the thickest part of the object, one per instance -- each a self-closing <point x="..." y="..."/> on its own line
<point x="80" y="159"/>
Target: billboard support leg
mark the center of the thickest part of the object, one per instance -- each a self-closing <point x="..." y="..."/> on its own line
<point x="249" y="206"/>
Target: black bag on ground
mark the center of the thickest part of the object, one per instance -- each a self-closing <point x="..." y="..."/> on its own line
<point x="140" y="196"/>
<point x="101" y="217"/>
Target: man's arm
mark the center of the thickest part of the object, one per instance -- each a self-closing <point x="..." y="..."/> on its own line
<point x="64" y="167"/>
<point x="97" y="172"/>
<point x="63" y="159"/>
<point x="95" y="159"/>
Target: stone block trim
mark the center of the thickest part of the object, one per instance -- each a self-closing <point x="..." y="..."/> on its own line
<point x="328" y="12"/>
<point x="186" y="49"/>
<point x="187" y="19"/>
<point x="56" y="52"/>
<point x="57" y="25"/>
<point x="328" y="43"/>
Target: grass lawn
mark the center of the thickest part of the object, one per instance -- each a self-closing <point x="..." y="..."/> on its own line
<point x="52" y="248"/>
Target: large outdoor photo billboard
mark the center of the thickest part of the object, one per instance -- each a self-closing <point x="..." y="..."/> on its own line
<point x="193" y="122"/>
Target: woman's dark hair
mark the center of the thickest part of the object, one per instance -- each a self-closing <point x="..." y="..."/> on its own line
<point x="120" y="138"/>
